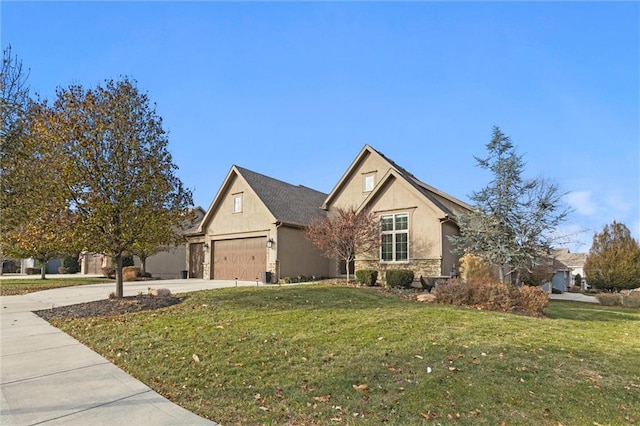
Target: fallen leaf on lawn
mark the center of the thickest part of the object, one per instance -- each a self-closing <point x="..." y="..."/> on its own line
<point x="257" y="396"/>
<point x="324" y="398"/>
<point x="195" y="358"/>
<point x="452" y="369"/>
<point x="220" y="326"/>
<point x="360" y="388"/>
<point x="263" y="408"/>
<point x="418" y="356"/>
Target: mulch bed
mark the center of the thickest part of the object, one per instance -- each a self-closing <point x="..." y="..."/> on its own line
<point x="109" y="307"/>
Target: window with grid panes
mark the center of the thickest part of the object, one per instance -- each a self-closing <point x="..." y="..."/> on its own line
<point x="395" y="238"/>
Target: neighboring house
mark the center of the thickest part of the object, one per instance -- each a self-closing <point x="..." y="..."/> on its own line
<point x="566" y="266"/>
<point x="170" y="263"/>
<point x="167" y="264"/>
<point x="254" y="230"/>
<point x="416" y="218"/>
<point x="256" y="224"/>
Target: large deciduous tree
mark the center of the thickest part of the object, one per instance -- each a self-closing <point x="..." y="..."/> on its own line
<point x="118" y="170"/>
<point x="345" y="233"/>
<point x="34" y="214"/>
<point x="513" y="220"/>
<point x="36" y="219"/>
<point x="613" y="262"/>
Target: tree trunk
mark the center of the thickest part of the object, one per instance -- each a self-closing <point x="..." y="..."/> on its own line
<point x="501" y="273"/>
<point x="43" y="268"/>
<point x="143" y="265"/>
<point x="119" y="287"/>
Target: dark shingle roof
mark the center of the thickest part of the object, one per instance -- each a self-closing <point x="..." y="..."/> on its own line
<point x="290" y="204"/>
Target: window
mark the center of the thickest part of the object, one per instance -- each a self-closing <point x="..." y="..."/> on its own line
<point x="369" y="182"/>
<point x="395" y="238"/>
<point x="237" y="203"/>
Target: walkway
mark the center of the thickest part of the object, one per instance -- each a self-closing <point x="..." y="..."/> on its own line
<point x="47" y="377"/>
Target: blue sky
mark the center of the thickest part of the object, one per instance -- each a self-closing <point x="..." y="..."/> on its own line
<point x="295" y="90"/>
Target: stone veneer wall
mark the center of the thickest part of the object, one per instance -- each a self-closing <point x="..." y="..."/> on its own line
<point x="424" y="267"/>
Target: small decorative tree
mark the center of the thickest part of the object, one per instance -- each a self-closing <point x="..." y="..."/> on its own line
<point x="345" y="233"/>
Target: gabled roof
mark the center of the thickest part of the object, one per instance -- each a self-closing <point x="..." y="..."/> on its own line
<point x="574" y="260"/>
<point x="450" y="206"/>
<point x="288" y="204"/>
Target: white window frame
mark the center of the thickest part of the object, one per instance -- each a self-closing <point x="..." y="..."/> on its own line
<point x="237" y="203"/>
<point x="369" y="182"/>
<point x="394" y="233"/>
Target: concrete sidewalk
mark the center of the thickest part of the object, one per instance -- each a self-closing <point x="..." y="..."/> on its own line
<point x="47" y="377"/>
<point x="575" y="297"/>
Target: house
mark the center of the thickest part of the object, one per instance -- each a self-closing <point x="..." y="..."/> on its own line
<point x="416" y="218"/>
<point x="254" y="230"/>
<point x="170" y="263"/>
<point x="166" y="264"/>
<point x="255" y="225"/>
<point x="566" y="266"/>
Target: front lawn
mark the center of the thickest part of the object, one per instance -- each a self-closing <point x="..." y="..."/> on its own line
<point x="327" y="354"/>
<point x="12" y="287"/>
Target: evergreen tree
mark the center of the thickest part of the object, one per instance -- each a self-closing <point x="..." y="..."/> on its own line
<point x="513" y="220"/>
<point x="613" y="262"/>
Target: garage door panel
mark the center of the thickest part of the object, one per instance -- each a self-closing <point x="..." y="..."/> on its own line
<point x="244" y="259"/>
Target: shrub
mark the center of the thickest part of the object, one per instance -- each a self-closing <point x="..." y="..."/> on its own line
<point x="631" y="300"/>
<point x="399" y="278"/>
<point x="531" y="300"/>
<point x="127" y="260"/>
<point x="609" y="299"/>
<point x="454" y="293"/>
<point x="130" y="273"/>
<point x="493" y="296"/>
<point x="367" y="277"/>
<point x="70" y="264"/>
<point x="300" y="279"/>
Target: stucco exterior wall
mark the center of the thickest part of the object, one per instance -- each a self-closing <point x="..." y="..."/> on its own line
<point x="167" y="264"/>
<point x="352" y="193"/>
<point x="298" y="256"/>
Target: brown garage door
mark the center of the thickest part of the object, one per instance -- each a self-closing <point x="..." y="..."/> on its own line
<point x="244" y="259"/>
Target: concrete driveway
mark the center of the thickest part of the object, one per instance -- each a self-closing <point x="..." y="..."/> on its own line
<point x="47" y="377"/>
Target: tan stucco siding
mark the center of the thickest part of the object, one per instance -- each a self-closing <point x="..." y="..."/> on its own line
<point x="253" y="217"/>
<point x="424" y="224"/>
<point x="166" y="264"/>
<point x="352" y="192"/>
<point x="297" y="255"/>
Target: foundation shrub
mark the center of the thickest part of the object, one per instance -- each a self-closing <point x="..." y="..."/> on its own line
<point x="399" y="278"/>
<point x="130" y="273"/>
<point x="367" y="277"/>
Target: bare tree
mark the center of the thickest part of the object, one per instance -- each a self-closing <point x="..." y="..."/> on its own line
<point x="345" y="234"/>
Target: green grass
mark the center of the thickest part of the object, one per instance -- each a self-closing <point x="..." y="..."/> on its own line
<point x="12" y="287"/>
<point x="293" y="355"/>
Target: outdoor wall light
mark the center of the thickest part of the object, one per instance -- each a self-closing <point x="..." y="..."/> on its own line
<point x="270" y="243"/>
<point x="205" y="247"/>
